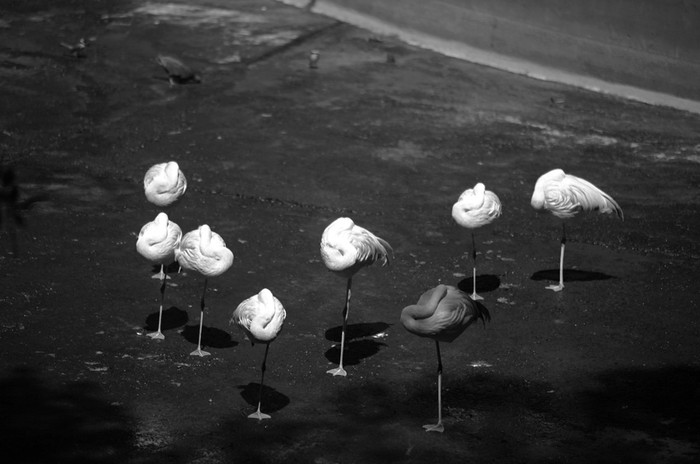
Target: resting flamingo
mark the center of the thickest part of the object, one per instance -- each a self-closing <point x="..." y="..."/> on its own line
<point x="261" y="317"/>
<point x="157" y="242"/>
<point x="565" y="196"/>
<point x="346" y="248"/>
<point x="442" y="313"/>
<point x="476" y="207"/>
<point x="164" y="183"/>
<point x="204" y="251"/>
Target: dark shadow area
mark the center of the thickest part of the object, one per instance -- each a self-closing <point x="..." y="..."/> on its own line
<point x="171" y="269"/>
<point x="484" y="283"/>
<point x="173" y="318"/>
<point x="354" y="331"/>
<point x="570" y="275"/>
<point x="662" y="402"/>
<point x="272" y="400"/>
<point x="355" y="351"/>
<point x="212" y="337"/>
<point x="70" y="423"/>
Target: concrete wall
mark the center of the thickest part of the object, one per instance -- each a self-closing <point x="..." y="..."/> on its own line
<point x="643" y="49"/>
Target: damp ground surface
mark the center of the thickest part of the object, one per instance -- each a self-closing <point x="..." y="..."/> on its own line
<point x="606" y="371"/>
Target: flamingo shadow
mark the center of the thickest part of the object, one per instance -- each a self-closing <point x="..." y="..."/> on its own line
<point x="272" y="400"/>
<point x="354" y="331"/>
<point x="211" y="337"/>
<point x="173" y="318"/>
<point x="570" y="275"/>
<point x="484" y="283"/>
<point x="355" y="351"/>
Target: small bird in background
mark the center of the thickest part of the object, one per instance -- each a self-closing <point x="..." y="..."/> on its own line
<point x="565" y="196"/>
<point x="78" y="49"/>
<point x="164" y="183"/>
<point x="11" y="206"/>
<point x="442" y="314"/>
<point x="476" y="207"/>
<point x="204" y="251"/>
<point x="346" y="248"/>
<point x="261" y="317"/>
<point x="178" y="72"/>
<point x="157" y="242"/>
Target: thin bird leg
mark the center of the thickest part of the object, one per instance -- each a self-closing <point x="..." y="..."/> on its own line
<point x="199" y="351"/>
<point x="160" y="275"/>
<point x="474" y="296"/>
<point x="158" y="335"/>
<point x="339" y="370"/>
<point x="560" y="287"/>
<point x="258" y="414"/>
<point x="437" y="427"/>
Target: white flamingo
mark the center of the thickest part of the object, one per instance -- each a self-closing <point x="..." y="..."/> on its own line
<point x="346" y="248"/>
<point x="476" y="207"/>
<point x="204" y="251"/>
<point x="261" y="317"/>
<point x="164" y="183"/>
<point x="565" y="196"/>
<point x="442" y="314"/>
<point x="157" y="242"/>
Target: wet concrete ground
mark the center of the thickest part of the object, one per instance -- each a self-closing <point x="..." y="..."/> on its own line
<point x="390" y="135"/>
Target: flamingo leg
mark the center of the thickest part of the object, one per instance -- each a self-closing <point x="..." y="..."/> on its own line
<point x="437" y="427"/>
<point x="560" y="287"/>
<point x="199" y="351"/>
<point x="339" y="370"/>
<point x="259" y="414"/>
<point x="474" y="296"/>
<point x="158" y="335"/>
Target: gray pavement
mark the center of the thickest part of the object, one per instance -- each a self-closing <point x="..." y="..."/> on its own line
<point x="388" y="134"/>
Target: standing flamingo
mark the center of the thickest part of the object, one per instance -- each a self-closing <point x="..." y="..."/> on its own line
<point x="204" y="251"/>
<point x="164" y="183"/>
<point x="442" y="313"/>
<point x="565" y="196"/>
<point x="157" y="242"/>
<point x="346" y="248"/>
<point x="476" y="207"/>
<point x="261" y="317"/>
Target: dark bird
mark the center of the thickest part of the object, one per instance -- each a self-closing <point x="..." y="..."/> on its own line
<point x="11" y="207"/>
<point x="77" y="50"/>
<point x="442" y="313"/>
<point x="178" y="72"/>
<point x="565" y="196"/>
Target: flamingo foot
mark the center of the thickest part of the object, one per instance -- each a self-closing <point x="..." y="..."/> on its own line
<point x="556" y="288"/>
<point x="337" y="371"/>
<point x="475" y="297"/>
<point x="259" y="415"/>
<point x="434" y="427"/>
<point x="156" y="335"/>
<point x="160" y="276"/>
<point x="200" y="352"/>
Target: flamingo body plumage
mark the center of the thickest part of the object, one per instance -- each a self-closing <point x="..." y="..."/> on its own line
<point x="204" y="251"/>
<point x="565" y="196"/>
<point x="345" y="249"/>
<point x="164" y="183"/>
<point x="442" y="313"/>
<point x="476" y="207"/>
<point x="261" y="318"/>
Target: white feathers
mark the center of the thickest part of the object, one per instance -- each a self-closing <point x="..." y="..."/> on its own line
<point x="476" y="207"/>
<point x="164" y="183"/>
<point x="204" y="251"/>
<point x="261" y="317"/>
<point x="347" y="247"/>
<point x="159" y="239"/>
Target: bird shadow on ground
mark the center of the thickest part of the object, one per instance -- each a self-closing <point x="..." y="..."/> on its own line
<point x="211" y="337"/>
<point x="354" y="331"/>
<point x="355" y="351"/>
<point x="570" y="275"/>
<point x="272" y="400"/>
<point x="484" y="283"/>
<point x="173" y="318"/>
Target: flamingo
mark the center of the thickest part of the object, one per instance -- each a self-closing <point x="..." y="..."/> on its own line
<point x="346" y="248"/>
<point x="442" y="313"/>
<point x="178" y="72"/>
<point x="164" y="183"/>
<point x="204" y="251"/>
<point x="476" y="207"/>
<point x="157" y="242"/>
<point x="565" y="196"/>
<point x="261" y="317"/>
